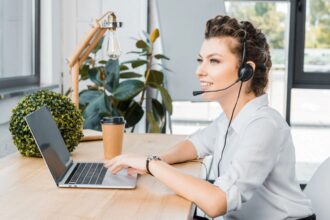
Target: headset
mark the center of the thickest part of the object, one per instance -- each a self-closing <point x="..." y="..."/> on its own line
<point x="245" y="71"/>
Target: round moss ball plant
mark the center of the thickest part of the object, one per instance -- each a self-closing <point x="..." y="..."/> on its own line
<point x="69" y="120"/>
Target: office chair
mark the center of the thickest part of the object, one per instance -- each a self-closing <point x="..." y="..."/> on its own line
<point x="318" y="191"/>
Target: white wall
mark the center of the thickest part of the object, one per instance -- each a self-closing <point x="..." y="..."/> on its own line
<point x="79" y="15"/>
<point x="182" y="25"/>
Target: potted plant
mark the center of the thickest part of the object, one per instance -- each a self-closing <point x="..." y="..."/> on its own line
<point x="68" y="119"/>
<point x="118" y="89"/>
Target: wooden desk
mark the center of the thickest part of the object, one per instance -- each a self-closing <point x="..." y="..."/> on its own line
<point x="28" y="191"/>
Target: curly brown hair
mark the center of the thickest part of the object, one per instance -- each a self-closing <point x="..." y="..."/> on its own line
<point x="257" y="48"/>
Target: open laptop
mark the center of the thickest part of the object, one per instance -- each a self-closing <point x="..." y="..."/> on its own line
<point x="66" y="172"/>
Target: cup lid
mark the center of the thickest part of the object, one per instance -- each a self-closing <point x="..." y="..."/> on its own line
<point x="113" y="120"/>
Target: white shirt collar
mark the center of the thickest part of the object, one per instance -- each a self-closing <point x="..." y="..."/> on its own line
<point x="247" y="111"/>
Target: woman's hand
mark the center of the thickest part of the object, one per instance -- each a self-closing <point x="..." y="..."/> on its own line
<point x="134" y="163"/>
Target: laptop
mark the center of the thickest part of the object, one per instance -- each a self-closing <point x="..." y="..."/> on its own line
<point x="67" y="173"/>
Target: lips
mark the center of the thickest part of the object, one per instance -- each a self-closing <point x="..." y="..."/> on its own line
<point x="204" y="84"/>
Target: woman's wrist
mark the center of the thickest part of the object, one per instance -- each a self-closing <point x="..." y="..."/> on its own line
<point x="149" y="160"/>
<point x="164" y="158"/>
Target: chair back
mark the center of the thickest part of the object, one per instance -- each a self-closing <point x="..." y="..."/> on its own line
<point x="318" y="190"/>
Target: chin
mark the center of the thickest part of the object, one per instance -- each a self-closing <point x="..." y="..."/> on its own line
<point x="211" y="96"/>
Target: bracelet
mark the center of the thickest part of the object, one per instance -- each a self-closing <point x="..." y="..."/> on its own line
<point x="150" y="158"/>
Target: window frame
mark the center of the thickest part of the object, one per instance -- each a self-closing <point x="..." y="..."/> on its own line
<point x="302" y="79"/>
<point x="34" y="79"/>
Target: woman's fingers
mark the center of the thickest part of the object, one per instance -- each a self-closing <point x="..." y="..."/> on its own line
<point x="118" y="168"/>
<point x="111" y="162"/>
<point x="131" y="171"/>
<point x="108" y="163"/>
<point x="118" y="165"/>
<point x="124" y="161"/>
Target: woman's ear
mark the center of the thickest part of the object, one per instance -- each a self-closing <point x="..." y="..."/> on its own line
<point x="252" y="64"/>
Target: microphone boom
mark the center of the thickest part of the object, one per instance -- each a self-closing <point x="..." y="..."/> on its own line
<point x="217" y="90"/>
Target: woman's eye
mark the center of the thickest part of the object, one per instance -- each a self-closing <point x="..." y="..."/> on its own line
<point x="214" y="61"/>
<point x="199" y="60"/>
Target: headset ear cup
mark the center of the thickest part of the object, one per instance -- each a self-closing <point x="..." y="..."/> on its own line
<point x="245" y="72"/>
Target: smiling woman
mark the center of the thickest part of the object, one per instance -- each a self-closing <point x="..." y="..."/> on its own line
<point x="250" y="142"/>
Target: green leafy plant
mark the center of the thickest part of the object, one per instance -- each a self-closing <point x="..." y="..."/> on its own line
<point x="118" y="89"/>
<point x="68" y="119"/>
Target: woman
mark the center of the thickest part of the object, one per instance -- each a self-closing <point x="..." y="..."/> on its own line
<point x="254" y="158"/>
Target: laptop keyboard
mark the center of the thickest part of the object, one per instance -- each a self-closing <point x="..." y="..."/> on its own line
<point x="88" y="173"/>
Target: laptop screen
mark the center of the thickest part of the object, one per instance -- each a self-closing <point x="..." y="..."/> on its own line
<point x="50" y="142"/>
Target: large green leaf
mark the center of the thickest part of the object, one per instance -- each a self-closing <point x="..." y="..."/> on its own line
<point x="86" y="96"/>
<point x="141" y="44"/>
<point x="112" y="75"/>
<point x="159" y="112"/>
<point x="154" y="128"/>
<point x="128" y="89"/>
<point x="136" y="63"/>
<point x="96" y="110"/>
<point x="93" y="122"/>
<point x="100" y="104"/>
<point x="123" y="67"/>
<point x="129" y="61"/>
<point x="92" y="113"/>
<point x="155" y="77"/>
<point x="83" y="72"/>
<point x="133" y="114"/>
<point x="166" y="99"/>
<point x="103" y="62"/>
<point x="122" y="106"/>
<point x="127" y="75"/>
<point x="165" y="96"/>
<point x="161" y="56"/>
<point x="94" y="74"/>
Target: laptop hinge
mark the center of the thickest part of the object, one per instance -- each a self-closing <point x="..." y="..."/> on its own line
<point x="67" y="172"/>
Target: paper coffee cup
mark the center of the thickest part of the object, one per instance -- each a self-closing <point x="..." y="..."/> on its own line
<point x="112" y="132"/>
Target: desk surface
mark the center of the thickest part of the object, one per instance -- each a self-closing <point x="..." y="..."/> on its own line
<point x="27" y="190"/>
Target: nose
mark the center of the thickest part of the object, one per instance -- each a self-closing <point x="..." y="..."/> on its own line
<point x="201" y="71"/>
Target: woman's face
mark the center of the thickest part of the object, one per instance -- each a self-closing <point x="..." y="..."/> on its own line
<point x="217" y="67"/>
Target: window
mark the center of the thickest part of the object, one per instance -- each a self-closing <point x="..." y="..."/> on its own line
<point x="310" y="124"/>
<point x="307" y="102"/>
<point x="19" y="42"/>
<point x="317" y="36"/>
<point x="312" y="60"/>
<point x="275" y="30"/>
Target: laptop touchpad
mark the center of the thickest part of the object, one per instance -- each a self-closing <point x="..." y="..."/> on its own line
<point x="120" y="180"/>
